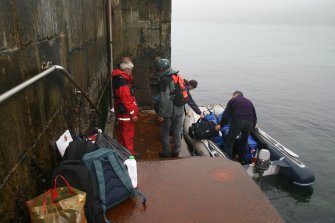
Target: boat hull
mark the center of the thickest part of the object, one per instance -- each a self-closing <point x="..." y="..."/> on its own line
<point x="284" y="162"/>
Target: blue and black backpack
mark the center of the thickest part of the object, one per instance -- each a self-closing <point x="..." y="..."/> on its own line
<point x="112" y="178"/>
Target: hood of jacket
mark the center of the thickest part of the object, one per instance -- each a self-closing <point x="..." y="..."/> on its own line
<point x="168" y="72"/>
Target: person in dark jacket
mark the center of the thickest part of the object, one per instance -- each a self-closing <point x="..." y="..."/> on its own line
<point x="190" y="85"/>
<point x="242" y="116"/>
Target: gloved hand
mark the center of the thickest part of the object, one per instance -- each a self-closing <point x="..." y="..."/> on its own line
<point x="160" y="118"/>
<point x="134" y="118"/>
<point x="217" y="127"/>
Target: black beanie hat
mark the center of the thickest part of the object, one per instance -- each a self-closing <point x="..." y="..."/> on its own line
<point x="193" y="83"/>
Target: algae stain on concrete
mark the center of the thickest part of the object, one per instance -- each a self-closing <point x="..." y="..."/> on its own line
<point x="4" y="39"/>
<point x="101" y="29"/>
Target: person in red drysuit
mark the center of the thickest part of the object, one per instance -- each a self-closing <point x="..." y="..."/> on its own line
<point x="126" y="110"/>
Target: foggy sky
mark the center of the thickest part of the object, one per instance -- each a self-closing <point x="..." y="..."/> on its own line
<point x="255" y="11"/>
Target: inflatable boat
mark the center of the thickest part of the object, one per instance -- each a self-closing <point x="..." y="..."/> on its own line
<point x="265" y="156"/>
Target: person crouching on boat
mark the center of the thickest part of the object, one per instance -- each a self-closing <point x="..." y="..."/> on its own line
<point x="190" y="85"/>
<point x="126" y="110"/>
<point x="242" y="115"/>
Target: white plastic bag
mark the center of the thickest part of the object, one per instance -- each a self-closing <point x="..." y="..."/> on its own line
<point x="63" y="142"/>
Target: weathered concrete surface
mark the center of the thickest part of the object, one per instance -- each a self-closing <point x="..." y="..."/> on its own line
<point x="142" y="30"/>
<point x="189" y="188"/>
<point x="196" y="189"/>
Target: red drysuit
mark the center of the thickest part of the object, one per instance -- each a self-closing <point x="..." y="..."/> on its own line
<point x="126" y="109"/>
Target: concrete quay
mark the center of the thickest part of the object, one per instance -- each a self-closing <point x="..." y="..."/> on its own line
<point x="190" y="188"/>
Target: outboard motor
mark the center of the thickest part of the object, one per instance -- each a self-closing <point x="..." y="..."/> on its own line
<point x="262" y="162"/>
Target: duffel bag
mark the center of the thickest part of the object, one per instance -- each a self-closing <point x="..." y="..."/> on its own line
<point x="203" y="129"/>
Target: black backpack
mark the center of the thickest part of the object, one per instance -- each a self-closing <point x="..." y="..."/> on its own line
<point x="78" y="148"/>
<point x="80" y="177"/>
<point x="202" y="129"/>
<point x="180" y="95"/>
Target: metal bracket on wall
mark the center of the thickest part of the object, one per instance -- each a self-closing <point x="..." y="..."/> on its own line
<point x="76" y="91"/>
<point x="46" y="64"/>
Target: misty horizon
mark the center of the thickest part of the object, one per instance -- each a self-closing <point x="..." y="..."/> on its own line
<point x="296" y="12"/>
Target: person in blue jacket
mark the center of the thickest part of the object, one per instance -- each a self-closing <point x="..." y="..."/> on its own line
<point x="242" y="116"/>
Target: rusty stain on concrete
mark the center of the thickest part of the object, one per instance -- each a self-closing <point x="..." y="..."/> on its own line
<point x="223" y="175"/>
<point x="147" y="137"/>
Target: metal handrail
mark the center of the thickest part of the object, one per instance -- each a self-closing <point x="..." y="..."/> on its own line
<point x="41" y="75"/>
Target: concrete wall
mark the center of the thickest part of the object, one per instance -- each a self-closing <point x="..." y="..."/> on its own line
<point x="68" y="33"/>
<point x="73" y="34"/>
<point x="142" y="30"/>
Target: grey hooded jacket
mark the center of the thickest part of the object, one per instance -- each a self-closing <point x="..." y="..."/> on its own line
<point x="166" y="106"/>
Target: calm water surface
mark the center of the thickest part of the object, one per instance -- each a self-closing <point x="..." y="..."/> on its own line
<point x="289" y="74"/>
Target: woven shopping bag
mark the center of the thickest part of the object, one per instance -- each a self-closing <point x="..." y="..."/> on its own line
<point x="58" y="205"/>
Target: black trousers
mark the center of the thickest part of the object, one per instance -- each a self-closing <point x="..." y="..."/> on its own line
<point x="237" y="127"/>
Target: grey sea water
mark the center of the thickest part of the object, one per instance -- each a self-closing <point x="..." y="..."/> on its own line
<point x="289" y="74"/>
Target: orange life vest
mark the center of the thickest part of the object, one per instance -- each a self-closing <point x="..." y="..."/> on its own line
<point x="180" y="93"/>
